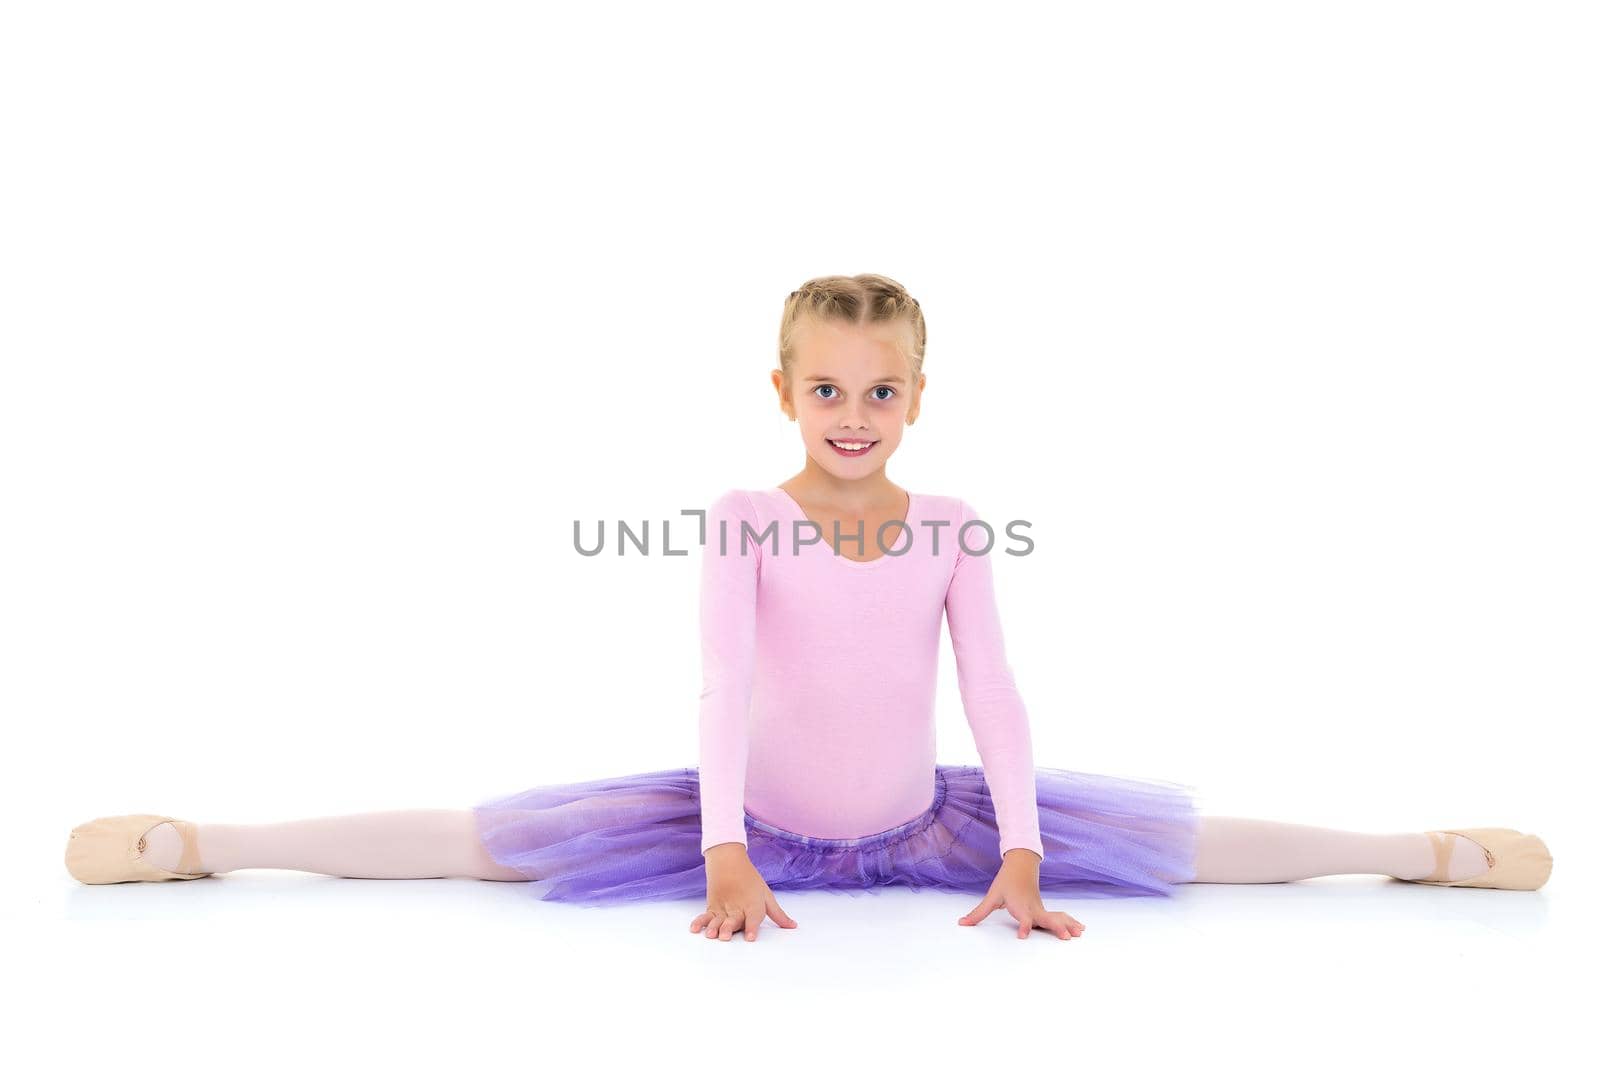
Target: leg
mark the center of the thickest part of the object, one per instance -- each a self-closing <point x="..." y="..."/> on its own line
<point x="1254" y="850"/>
<point x="424" y="843"/>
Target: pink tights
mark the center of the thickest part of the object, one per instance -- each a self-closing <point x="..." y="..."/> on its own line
<point x="413" y="843"/>
<point x="443" y="843"/>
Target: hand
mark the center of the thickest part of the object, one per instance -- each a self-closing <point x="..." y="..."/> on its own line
<point x="1017" y="888"/>
<point x="736" y="896"/>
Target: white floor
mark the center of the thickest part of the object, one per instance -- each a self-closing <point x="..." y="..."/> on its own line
<point x="264" y="964"/>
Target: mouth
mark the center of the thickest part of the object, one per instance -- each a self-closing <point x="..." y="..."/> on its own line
<point x="850" y="448"/>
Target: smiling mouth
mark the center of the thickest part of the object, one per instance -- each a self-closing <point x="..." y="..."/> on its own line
<point x="851" y="449"/>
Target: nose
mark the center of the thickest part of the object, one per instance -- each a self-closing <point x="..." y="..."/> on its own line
<point x="854" y="417"/>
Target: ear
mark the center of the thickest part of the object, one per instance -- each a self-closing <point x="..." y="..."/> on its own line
<point x="784" y="403"/>
<point x="916" y="400"/>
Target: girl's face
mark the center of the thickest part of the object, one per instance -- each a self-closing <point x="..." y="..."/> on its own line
<point x="851" y="392"/>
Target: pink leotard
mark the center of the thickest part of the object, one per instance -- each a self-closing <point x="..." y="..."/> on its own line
<point x="817" y="712"/>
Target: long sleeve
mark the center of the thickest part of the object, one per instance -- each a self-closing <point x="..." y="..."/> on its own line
<point x="730" y="568"/>
<point x="989" y="696"/>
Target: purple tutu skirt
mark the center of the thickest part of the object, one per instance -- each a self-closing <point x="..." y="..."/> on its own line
<point x="637" y="837"/>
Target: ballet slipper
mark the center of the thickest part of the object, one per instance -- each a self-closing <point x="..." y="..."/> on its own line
<point x="1516" y="860"/>
<point x="111" y="849"/>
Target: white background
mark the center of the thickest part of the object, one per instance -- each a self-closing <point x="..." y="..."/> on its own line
<point x="322" y="323"/>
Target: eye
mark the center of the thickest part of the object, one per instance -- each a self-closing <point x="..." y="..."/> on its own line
<point x="889" y="388"/>
<point x="821" y="387"/>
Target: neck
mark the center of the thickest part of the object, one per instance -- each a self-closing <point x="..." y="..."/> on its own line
<point x="844" y="494"/>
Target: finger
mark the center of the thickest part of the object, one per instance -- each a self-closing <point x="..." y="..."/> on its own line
<point x="780" y="916"/>
<point x="1056" y="923"/>
<point x="978" y="914"/>
<point x="699" y="922"/>
<point x="1024" y="916"/>
<point x="734" y="920"/>
<point x="717" y="918"/>
<point x="752" y="924"/>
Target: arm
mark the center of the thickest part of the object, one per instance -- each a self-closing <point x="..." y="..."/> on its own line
<point x="727" y="655"/>
<point x="989" y="696"/>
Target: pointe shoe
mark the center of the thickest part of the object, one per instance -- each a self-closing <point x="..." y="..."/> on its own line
<point x="111" y="849"/>
<point x="1516" y="860"/>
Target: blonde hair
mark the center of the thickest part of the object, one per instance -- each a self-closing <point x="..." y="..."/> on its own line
<point x="858" y="300"/>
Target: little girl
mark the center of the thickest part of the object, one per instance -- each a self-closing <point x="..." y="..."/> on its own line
<point x="821" y="603"/>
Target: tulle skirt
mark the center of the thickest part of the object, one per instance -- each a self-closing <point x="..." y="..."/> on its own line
<point x="637" y="837"/>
